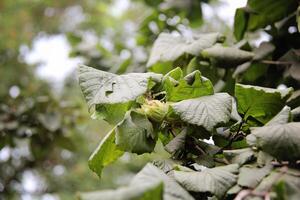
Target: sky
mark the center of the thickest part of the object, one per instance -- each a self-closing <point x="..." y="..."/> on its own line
<point x="51" y="53"/>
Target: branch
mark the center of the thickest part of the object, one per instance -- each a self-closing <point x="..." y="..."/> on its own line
<point x="272" y="62"/>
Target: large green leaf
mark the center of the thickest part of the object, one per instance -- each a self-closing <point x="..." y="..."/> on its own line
<point x="206" y="111"/>
<point x="141" y="191"/>
<point x="259" y="102"/>
<point x="226" y="56"/>
<point x="106" y="153"/>
<point x="135" y="134"/>
<point x="250" y="177"/>
<point x="281" y="141"/>
<point x="103" y="88"/>
<point x="172" y="190"/>
<point x="215" y="180"/>
<point x="168" y="47"/>
<point x="191" y="86"/>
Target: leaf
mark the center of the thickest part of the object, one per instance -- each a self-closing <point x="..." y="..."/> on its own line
<point x="239" y="156"/>
<point x="206" y="111"/>
<point x="295" y="112"/>
<point x="172" y="190"/>
<point x="286" y="190"/>
<point x="106" y="153"/>
<point x="168" y="47"/>
<point x="250" y="177"/>
<point x="253" y="69"/>
<point x="282" y="117"/>
<point x="178" y="143"/>
<point x="291" y="181"/>
<point x="234" y="190"/>
<point x="166" y="165"/>
<point x="192" y="86"/>
<point x="277" y="140"/>
<point x="293" y="58"/>
<point x="226" y="56"/>
<point x="112" y="113"/>
<point x="240" y="23"/>
<point x="294" y="100"/>
<point x="205" y="160"/>
<point x="264" y="49"/>
<point x="259" y="102"/>
<point x="241" y="69"/>
<point x="215" y="180"/>
<point x="135" y="134"/>
<point x="267" y="12"/>
<point x="234" y="113"/>
<point x="141" y="191"/>
<point x="209" y="149"/>
<point x="263" y="158"/>
<point x="104" y="88"/>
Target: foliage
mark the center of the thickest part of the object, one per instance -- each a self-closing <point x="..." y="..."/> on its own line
<point x="254" y="129"/>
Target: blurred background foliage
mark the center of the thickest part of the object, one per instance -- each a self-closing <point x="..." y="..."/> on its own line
<point x="46" y="134"/>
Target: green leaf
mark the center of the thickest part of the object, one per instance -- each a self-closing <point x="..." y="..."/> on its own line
<point x="192" y="86"/>
<point x="282" y="117"/>
<point x="240" y="23"/>
<point x="267" y="12"/>
<point x="206" y="111"/>
<point x="141" y="191"/>
<point x="259" y="102"/>
<point x="264" y="49"/>
<point x="285" y="190"/>
<point x="106" y="153"/>
<point x="165" y="165"/>
<point x="226" y="56"/>
<point x="209" y="149"/>
<point x="135" y="134"/>
<point x="277" y="140"/>
<point x="293" y="57"/>
<point x="192" y="66"/>
<point x="178" y="143"/>
<point x="234" y="190"/>
<point x="215" y="180"/>
<point x="113" y="113"/>
<point x="104" y="88"/>
<point x="234" y="113"/>
<point x="263" y="158"/>
<point x="296" y="113"/>
<point x="250" y="177"/>
<point x="292" y="184"/>
<point x="294" y="100"/>
<point x="168" y="47"/>
<point x="172" y="190"/>
<point x="239" y="156"/>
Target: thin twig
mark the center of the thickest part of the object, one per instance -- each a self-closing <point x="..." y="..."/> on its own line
<point x="272" y="62"/>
